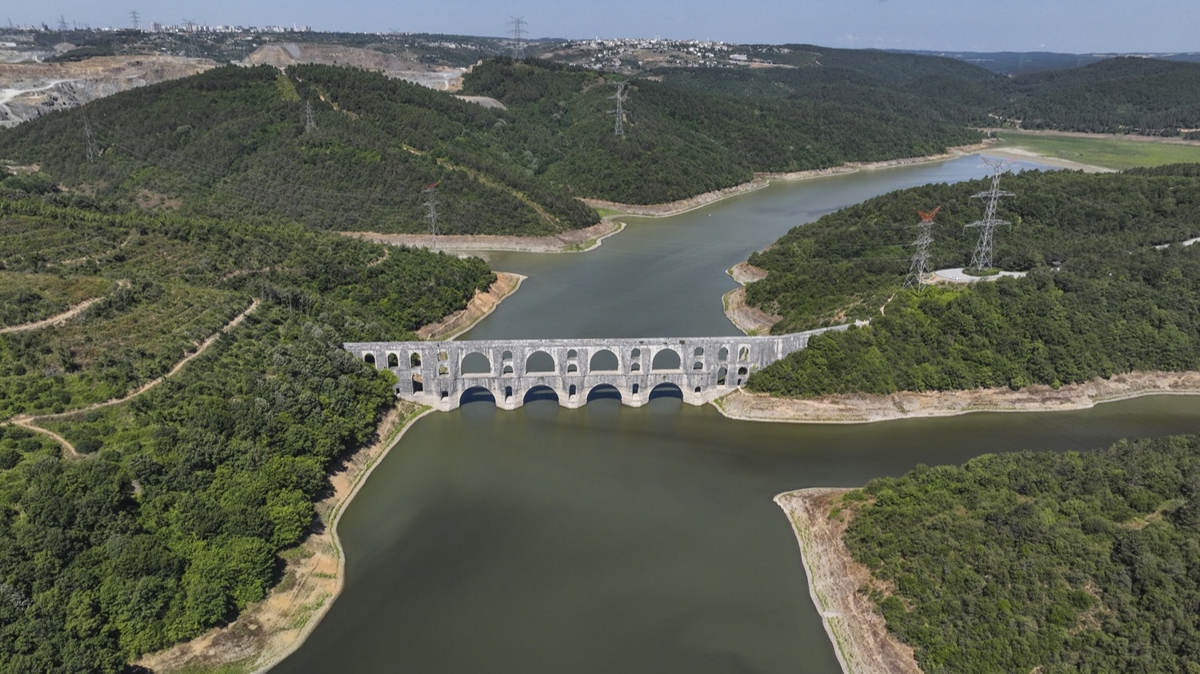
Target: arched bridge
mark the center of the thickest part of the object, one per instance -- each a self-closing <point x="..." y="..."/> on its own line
<point x="443" y="374"/>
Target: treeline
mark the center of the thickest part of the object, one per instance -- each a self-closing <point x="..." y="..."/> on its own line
<point x="174" y="519"/>
<point x="1116" y="303"/>
<point x="1075" y="562"/>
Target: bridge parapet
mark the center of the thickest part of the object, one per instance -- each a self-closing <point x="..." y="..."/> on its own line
<point x="438" y="374"/>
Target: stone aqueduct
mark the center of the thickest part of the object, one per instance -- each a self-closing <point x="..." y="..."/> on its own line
<point x="438" y="374"/>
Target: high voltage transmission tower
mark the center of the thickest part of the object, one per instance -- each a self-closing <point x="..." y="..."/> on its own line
<point x="516" y="27"/>
<point x="310" y="120"/>
<point x="431" y="204"/>
<point x="136" y="19"/>
<point x="982" y="259"/>
<point x="89" y="140"/>
<point x="620" y="97"/>
<point x="920" y="259"/>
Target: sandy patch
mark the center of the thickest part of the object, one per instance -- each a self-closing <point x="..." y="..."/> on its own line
<point x="480" y="306"/>
<point x="856" y="409"/>
<point x="572" y="241"/>
<point x="854" y="625"/>
<point x="748" y="319"/>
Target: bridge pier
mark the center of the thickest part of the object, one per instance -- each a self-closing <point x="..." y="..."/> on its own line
<point x="439" y="374"/>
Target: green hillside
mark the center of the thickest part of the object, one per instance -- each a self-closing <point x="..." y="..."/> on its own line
<point x="1054" y="563"/>
<point x="173" y="517"/>
<point x="1117" y="304"/>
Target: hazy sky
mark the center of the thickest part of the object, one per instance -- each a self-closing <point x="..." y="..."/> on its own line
<point x="978" y="25"/>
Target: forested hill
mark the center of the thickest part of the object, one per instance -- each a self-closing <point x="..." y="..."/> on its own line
<point x="1053" y="563"/>
<point x="173" y="518"/>
<point x="1117" y="95"/>
<point x="1117" y="304"/>
<point x="232" y="142"/>
<point x="681" y="140"/>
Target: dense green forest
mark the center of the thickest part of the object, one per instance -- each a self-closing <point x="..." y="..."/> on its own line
<point x="680" y="141"/>
<point x="1118" y="95"/>
<point x="232" y="142"/>
<point x="1116" y="304"/>
<point x="174" y="518"/>
<point x="1075" y="562"/>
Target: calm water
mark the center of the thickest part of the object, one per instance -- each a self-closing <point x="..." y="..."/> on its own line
<point x="610" y="539"/>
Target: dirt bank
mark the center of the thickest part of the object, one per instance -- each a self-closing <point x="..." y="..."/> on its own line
<point x="572" y="241"/>
<point x="855" y="409"/>
<point x="761" y="180"/>
<point x="856" y="628"/>
<point x="481" y="305"/>
<point x="748" y="319"/>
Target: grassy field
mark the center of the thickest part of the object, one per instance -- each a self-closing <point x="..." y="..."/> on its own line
<point x="1114" y="153"/>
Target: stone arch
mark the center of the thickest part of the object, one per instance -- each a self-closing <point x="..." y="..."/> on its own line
<point x="723" y="354"/>
<point x="539" y="361"/>
<point x="636" y="367"/>
<point x="414" y="359"/>
<point x="540" y="393"/>
<point x="697" y="365"/>
<point x="508" y="369"/>
<point x="507" y="392"/>
<point x="636" y="388"/>
<point x="742" y="371"/>
<point x="636" y="353"/>
<point x="475" y="363"/>
<point x="443" y="371"/>
<point x="666" y="359"/>
<point x="572" y="369"/>
<point x="666" y="390"/>
<point x="697" y="389"/>
<point x="418" y="384"/>
<point x="369" y="358"/>
<point x="604" y="392"/>
<point x="572" y="353"/>
<point x="722" y="375"/>
<point x="507" y="355"/>
<point x="573" y="390"/>
<point x="477" y="394"/>
<point x="393" y="360"/>
<point x="604" y="361"/>
<point x="744" y="354"/>
<point x="698" y="352"/>
<point x="443" y="356"/>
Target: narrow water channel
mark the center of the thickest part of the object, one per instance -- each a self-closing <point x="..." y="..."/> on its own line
<point x="610" y="539"/>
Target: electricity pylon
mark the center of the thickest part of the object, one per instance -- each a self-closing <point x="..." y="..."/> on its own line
<point x="982" y="258"/>
<point x="431" y="204"/>
<point x="620" y="97"/>
<point x="919" y="269"/>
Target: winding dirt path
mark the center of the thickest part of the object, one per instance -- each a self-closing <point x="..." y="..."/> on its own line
<point x="60" y="318"/>
<point x="29" y="422"/>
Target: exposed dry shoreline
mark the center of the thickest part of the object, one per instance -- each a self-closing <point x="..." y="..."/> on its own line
<point x="855" y="627"/>
<point x="748" y="319"/>
<point x="857" y="409"/>
<point x="480" y="306"/>
<point x="571" y="241"/>
<point x="314" y="575"/>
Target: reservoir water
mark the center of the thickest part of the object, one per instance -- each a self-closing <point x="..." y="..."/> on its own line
<point x="611" y="539"/>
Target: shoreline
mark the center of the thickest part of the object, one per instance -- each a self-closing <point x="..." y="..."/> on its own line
<point x="572" y="241"/>
<point x="856" y="629"/>
<point x="750" y="320"/>
<point x="862" y="408"/>
<point x="270" y="630"/>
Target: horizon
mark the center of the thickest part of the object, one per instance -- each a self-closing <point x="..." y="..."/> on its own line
<point x="1068" y="26"/>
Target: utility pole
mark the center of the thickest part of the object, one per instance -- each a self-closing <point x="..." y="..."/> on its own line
<point x="982" y="259"/>
<point x="620" y="97"/>
<point x="62" y="23"/>
<point x="920" y="259"/>
<point x="136" y="19"/>
<point x="431" y="204"/>
<point x="310" y="121"/>
<point x="89" y="140"/>
<point x="517" y="26"/>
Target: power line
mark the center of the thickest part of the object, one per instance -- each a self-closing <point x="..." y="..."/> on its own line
<point x="516" y="28"/>
<point x="920" y="259"/>
<point x="620" y="97"/>
<point x="982" y="258"/>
